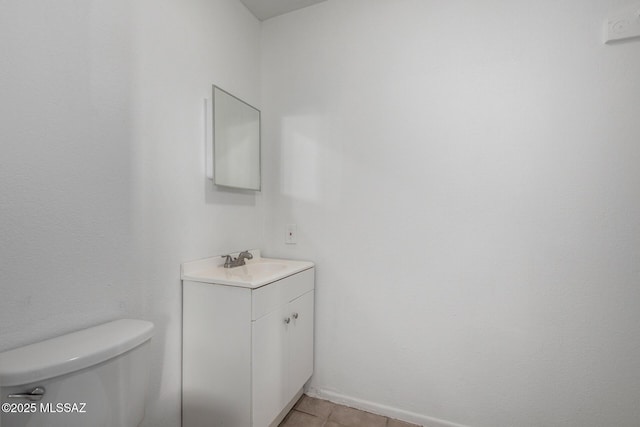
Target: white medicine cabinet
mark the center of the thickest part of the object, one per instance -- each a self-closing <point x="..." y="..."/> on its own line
<point x="236" y="142"/>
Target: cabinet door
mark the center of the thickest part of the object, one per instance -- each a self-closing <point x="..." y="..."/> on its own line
<point x="216" y="355"/>
<point x="269" y="364"/>
<point x="300" y="343"/>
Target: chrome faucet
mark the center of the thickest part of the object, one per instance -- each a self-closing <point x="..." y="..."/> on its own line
<point x="231" y="262"/>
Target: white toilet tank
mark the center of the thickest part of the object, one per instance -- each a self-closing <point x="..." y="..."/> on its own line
<point x="95" y="377"/>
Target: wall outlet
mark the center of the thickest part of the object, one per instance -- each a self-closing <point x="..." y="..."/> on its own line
<point x="291" y="234"/>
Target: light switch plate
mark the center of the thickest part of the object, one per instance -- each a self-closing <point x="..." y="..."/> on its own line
<point x="624" y="25"/>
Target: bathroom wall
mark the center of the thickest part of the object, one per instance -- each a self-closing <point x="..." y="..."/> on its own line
<point x="466" y="176"/>
<point x="102" y="188"/>
<point x="65" y="168"/>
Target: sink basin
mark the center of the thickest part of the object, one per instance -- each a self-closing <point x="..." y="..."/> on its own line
<point x="258" y="268"/>
<point x="255" y="273"/>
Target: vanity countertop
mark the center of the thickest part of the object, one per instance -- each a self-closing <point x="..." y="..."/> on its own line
<point x="255" y="273"/>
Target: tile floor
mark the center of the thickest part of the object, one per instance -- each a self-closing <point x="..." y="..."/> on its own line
<point x="311" y="412"/>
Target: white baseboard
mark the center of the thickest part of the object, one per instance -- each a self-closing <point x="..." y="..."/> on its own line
<point x="376" y="408"/>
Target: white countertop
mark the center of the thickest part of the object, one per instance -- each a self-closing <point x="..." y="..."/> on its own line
<point x="257" y="271"/>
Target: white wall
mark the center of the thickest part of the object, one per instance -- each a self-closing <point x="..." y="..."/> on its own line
<point x="102" y="188"/>
<point x="466" y="176"/>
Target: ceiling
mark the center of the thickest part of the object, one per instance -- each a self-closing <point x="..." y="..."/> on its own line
<point x="265" y="9"/>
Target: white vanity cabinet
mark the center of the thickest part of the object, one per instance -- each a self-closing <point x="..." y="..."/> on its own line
<point x="247" y="351"/>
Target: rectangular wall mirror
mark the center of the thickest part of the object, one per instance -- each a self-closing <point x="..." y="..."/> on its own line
<point x="236" y="142"/>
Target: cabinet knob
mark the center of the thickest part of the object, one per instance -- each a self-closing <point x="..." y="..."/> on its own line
<point x="287" y="320"/>
<point x="295" y="315"/>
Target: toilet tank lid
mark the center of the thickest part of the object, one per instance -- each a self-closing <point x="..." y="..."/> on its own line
<point x="72" y="352"/>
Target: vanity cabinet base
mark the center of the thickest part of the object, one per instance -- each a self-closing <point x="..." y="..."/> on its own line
<point x="246" y="353"/>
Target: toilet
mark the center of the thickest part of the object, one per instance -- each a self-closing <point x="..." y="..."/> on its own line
<point x="94" y="377"/>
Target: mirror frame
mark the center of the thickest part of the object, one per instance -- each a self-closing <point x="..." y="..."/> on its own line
<point x="215" y="127"/>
